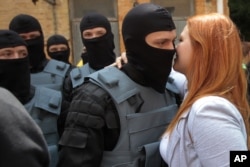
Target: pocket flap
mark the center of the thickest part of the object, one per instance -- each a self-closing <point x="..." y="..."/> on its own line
<point x="74" y="138"/>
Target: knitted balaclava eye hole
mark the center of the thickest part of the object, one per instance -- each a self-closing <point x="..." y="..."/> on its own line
<point x="24" y="23"/>
<point x="58" y="55"/>
<point x="100" y="50"/>
<point x="14" y="73"/>
<point x="155" y="64"/>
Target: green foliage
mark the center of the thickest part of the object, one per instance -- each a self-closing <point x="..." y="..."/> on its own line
<point x="240" y="14"/>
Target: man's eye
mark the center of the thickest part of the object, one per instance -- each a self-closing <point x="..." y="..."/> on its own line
<point x="3" y="55"/>
<point x="6" y="54"/>
<point x="24" y="54"/>
<point x="24" y="37"/>
<point x="100" y="33"/>
<point x="53" y="50"/>
<point x="162" y="42"/>
<point x="87" y="34"/>
<point x="63" y="49"/>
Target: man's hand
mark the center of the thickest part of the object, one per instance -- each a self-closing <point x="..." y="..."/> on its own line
<point x="120" y="60"/>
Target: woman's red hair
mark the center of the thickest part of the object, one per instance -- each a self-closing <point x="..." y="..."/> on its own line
<point x="216" y="67"/>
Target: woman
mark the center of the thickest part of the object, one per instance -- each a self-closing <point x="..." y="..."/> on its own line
<point x="214" y="116"/>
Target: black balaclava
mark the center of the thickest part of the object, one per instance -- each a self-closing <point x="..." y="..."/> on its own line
<point x="23" y="23"/>
<point x="14" y="73"/>
<point x="59" y="55"/>
<point x="153" y="64"/>
<point x="100" y="50"/>
<point x="85" y="57"/>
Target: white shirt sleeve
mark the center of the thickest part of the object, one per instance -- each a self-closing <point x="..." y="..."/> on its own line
<point x="180" y="82"/>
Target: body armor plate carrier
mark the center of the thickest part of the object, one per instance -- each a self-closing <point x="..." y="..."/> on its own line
<point x="52" y="76"/>
<point x="144" y="115"/>
<point x="45" y="108"/>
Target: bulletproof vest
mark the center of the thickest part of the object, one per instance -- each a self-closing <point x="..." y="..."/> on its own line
<point x="144" y="115"/>
<point x="77" y="75"/>
<point x="52" y="75"/>
<point x="171" y="86"/>
<point x="45" y="108"/>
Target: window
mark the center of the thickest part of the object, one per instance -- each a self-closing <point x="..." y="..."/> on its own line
<point x="105" y="7"/>
<point x="178" y="8"/>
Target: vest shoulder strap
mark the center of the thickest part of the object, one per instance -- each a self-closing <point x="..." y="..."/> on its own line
<point x="57" y="67"/>
<point x="115" y="82"/>
<point x="48" y="99"/>
<point x="77" y="75"/>
<point x="171" y="86"/>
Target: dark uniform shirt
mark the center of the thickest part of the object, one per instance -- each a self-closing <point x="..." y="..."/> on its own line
<point x="90" y="128"/>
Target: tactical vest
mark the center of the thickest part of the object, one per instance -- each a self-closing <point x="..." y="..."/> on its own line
<point x="77" y="75"/>
<point x="45" y="108"/>
<point x="144" y="115"/>
<point x="52" y="75"/>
